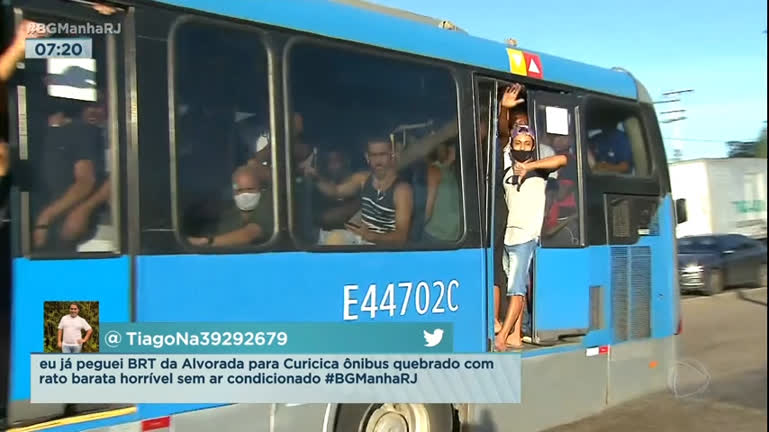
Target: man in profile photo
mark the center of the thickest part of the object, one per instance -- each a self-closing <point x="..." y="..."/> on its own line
<point x="71" y="329"/>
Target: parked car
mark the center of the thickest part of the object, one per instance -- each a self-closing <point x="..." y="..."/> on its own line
<point x="710" y="263"/>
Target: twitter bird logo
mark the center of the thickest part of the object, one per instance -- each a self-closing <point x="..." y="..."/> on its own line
<point x="434" y="338"/>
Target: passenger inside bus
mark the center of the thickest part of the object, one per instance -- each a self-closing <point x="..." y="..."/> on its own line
<point x="442" y="212"/>
<point x="71" y="167"/>
<point x="609" y="150"/>
<point x="512" y="112"/>
<point x="386" y="200"/>
<point x="248" y="219"/>
<point x="526" y="169"/>
<point x="90" y="222"/>
<point x="371" y="97"/>
<point x="561" y="225"/>
<point x="221" y="123"/>
<point x="333" y="213"/>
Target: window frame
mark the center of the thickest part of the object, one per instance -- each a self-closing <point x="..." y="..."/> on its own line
<point x="172" y="67"/>
<point x="573" y="102"/>
<point x="300" y="243"/>
<point x="116" y="89"/>
<point x="590" y="101"/>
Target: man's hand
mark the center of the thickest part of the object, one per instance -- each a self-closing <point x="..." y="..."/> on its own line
<point x="361" y="231"/>
<point x="198" y="241"/>
<point x="104" y="9"/>
<point x="80" y="341"/>
<point x="39" y="237"/>
<point x="28" y="30"/>
<point x="520" y="169"/>
<point x="58" y="344"/>
<point x="510" y="96"/>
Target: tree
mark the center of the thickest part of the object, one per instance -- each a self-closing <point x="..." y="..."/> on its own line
<point x="741" y="149"/>
<point x="760" y="150"/>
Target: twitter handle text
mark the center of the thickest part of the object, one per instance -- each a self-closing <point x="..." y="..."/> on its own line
<point x="399" y="298"/>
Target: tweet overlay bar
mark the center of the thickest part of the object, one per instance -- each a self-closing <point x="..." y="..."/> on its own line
<point x="276" y="338"/>
<point x="291" y="378"/>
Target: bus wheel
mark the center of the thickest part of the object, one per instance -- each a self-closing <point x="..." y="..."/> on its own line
<point x="394" y="417"/>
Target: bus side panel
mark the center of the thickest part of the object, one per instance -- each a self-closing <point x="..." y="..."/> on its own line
<point x="561" y="299"/>
<point x="38" y="281"/>
<point x="556" y="389"/>
<point x="664" y="272"/>
<point x="309" y="287"/>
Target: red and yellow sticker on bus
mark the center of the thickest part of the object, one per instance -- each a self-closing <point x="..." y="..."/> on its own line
<point x="523" y="63"/>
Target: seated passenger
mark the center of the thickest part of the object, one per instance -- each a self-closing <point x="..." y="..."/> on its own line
<point x="91" y="221"/>
<point x="386" y="201"/>
<point x="442" y="214"/>
<point x="249" y="220"/>
<point x="253" y="146"/>
<point x="610" y="150"/>
<point x="71" y="166"/>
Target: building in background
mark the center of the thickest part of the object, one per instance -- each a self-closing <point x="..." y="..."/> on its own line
<point x="723" y="196"/>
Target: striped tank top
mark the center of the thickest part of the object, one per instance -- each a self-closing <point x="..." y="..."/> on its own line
<point x="378" y="207"/>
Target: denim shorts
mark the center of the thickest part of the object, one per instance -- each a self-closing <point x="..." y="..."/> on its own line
<point x="71" y="348"/>
<point x="517" y="262"/>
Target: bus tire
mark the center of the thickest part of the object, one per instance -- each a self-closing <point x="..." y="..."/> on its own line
<point x="365" y="417"/>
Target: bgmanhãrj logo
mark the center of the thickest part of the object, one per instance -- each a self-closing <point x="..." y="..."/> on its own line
<point x="73" y="29"/>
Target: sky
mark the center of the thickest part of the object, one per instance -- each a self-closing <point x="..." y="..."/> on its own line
<point x="717" y="49"/>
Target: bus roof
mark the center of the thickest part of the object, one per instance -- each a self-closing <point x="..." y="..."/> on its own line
<point x="411" y="33"/>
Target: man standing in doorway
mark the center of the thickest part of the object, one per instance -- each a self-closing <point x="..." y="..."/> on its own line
<point x="524" y="184"/>
<point x="71" y="329"/>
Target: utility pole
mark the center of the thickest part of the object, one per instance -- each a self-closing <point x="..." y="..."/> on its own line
<point x="674" y="115"/>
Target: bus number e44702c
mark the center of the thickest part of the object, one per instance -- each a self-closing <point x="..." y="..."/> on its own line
<point x="400" y="298"/>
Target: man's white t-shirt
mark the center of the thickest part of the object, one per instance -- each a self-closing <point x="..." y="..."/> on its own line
<point x="526" y="207"/>
<point x="72" y="329"/>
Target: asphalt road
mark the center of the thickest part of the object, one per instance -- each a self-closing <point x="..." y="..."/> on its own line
<point x="724" y="335"/>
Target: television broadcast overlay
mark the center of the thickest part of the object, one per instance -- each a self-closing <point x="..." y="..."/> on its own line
<point x="275" y="338"/>
<point x="276" y="363"/>
<point x="293" y="378"/>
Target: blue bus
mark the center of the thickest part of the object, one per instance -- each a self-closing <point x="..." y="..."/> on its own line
<point x="123" y="163"/>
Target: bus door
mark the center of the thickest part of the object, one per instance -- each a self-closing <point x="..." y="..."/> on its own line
<point x="67" y="99"/>
<point x="560" y="297"/>
<point x="486" y="126"/>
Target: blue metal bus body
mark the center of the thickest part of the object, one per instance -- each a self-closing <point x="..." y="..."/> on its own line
<point x="306" y="286"/>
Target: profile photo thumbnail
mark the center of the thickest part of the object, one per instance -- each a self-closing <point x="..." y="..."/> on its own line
<point x="71" y="327"/>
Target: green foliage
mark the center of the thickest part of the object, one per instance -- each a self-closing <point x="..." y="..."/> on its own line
<point x="54" y="311"/>
<point x="761" y="145"/>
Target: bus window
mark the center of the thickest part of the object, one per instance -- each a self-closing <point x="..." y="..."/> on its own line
<point x="557" y="136"/>
<point x="222" y="137"/>
<point x="394" y="124"/>
<point x="616" y="143"/>
<point x="71" y="157"/>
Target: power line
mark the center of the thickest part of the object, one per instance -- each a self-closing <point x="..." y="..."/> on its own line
<point x="707" y="140"/>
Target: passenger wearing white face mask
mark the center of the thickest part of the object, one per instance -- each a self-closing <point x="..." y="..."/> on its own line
<point x="249" y="220"/>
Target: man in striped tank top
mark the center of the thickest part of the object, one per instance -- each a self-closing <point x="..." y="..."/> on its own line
<point x="386" y="201"/>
